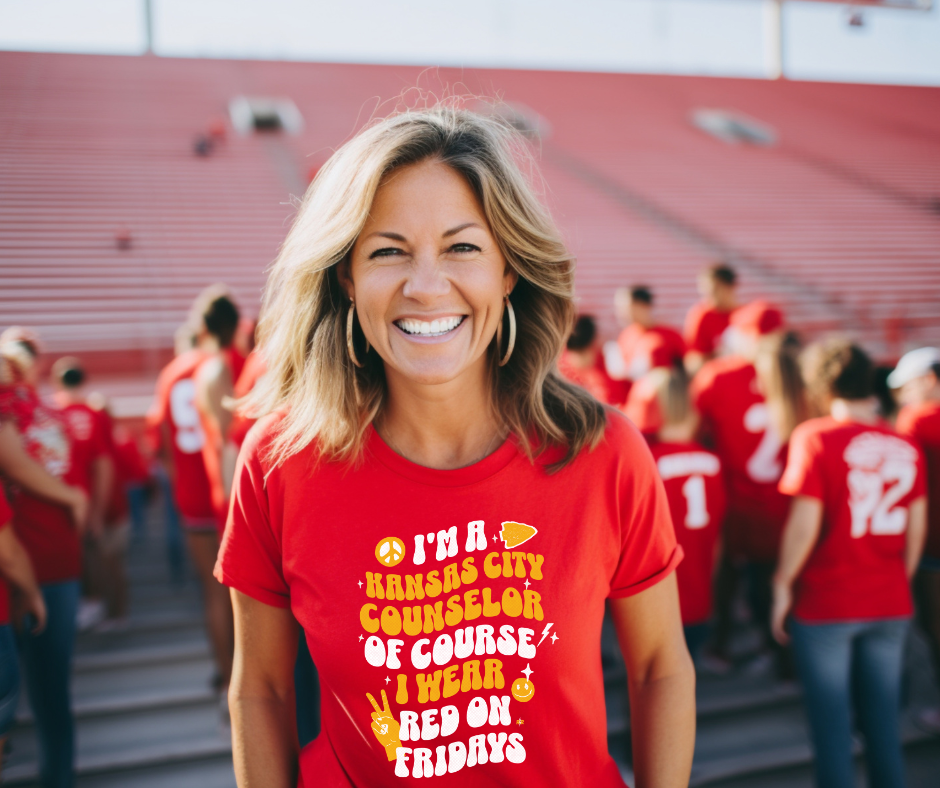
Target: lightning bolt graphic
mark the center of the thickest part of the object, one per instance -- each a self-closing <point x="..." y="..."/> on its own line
<point x="545" y="632"/>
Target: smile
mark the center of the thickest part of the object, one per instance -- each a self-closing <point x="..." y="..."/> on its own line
<point x="434" y="328"/>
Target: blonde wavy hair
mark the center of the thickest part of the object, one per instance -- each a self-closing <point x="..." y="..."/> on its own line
<point x="302" y="329"/>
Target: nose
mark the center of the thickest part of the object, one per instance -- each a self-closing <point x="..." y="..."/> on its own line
<point x="426" y="280"/>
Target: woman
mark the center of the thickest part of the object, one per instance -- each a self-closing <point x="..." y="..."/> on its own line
<point x="750" y="402"/>
<point x="49" y="517"/>
<point x="421" y="452"/>
<point x="851" y="545"/>
<point x="695" y="487"/>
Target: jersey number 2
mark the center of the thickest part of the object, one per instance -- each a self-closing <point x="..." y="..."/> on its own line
<point x="764" y="464"/>
<point x="189" y="435"/>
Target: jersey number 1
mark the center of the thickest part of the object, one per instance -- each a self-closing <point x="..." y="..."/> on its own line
<point x="696" y="507"/>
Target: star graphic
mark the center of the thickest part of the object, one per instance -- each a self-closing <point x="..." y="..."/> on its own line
<point x="360" y="584"/>
<point x="526" y="584"/>
<point x="553" y="638"/>
<point x="494" y="537"/>
<point x="519" y="722"/>
<point x="387" y="679"/>
<point x="528" y="672"/>
<point x="360" y="638"/>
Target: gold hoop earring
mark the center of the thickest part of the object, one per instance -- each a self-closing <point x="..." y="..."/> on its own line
<point x="349" y="335"/>
<point x="512" y="333"/>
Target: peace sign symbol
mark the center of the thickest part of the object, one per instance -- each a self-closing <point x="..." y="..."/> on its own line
<point x="390" y="551"/>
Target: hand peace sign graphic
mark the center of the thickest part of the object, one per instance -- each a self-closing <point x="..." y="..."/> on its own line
<point x="385" y="727"/>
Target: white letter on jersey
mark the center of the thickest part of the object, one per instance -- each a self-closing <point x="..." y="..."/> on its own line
<point x="447" y="543"/>
<point x="476" y="539"/>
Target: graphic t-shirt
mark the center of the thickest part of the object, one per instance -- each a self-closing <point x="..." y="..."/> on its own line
<point x="6" y="521"/>
<point x="88" y="432"/>
<point x="696" y="493"/>
<point x="45" y="529"/>
<point x="737" y="419"/>
<point x="704" y="325"/>
<point x="454" y="616"/>
<point x="922" y="424"/>
<point x="174" y="406"/>
<point x="866" y="477"/>
<point x="646" y="348"/>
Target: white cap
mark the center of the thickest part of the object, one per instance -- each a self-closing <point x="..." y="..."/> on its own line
<point x="913" y="365"/>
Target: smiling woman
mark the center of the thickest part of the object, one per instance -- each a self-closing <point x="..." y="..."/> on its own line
<point x="435" y="507"/>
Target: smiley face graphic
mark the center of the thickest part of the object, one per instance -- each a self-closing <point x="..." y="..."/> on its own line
<point x="523" y="689"/>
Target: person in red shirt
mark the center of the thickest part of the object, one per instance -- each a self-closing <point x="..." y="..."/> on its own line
<point x="242" y="421"/>
<point x="749" y="404"/>
<point x="582" y="362"/>
<point x="641" y="334"/>
<point x="93" y="471"/>
<point x="707" y="320"/>
<point x="851" y="545"/>
<point x="441" y="512"/>
<point x="48" y="518"/>
<point x="17" y="570"/>
<point x="695" y="489"/>
<point x="916" y="381"/>
<point x="176" y="419"/>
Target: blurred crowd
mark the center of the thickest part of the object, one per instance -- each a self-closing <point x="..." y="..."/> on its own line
<point x="804" y="484"/>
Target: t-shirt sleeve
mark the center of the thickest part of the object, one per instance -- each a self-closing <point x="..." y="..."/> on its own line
<point x="648" y="548"/>
<point x="250" y="554"/>
<point x="804" y="472"/>
<point x="6" y="514"/>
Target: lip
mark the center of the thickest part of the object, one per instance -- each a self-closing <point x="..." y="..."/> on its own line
<point x="424" y="339"/>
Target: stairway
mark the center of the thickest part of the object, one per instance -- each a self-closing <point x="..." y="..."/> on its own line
<point x="146" y="714"/>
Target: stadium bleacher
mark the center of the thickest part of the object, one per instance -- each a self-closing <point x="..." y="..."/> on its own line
<point x="110" y="223"/>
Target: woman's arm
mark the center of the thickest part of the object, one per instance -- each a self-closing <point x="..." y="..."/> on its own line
<point x="261" y="695"/>
<point x="661" y="680"/>
<point x="799" y="537"/>
<point x="916" y="535"/>
<point x="16" y="567"/>
<point x="23" y="470"/>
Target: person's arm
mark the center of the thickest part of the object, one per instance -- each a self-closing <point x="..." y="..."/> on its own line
<point x="661" y="681"/>
<point x="916" y="535"/>
<point x="261" y="696"/>
<point x="102" y="476"/>
<point x="20" y="468"/>
<point x="799" y="538"/>
<point x="17" y="569"/>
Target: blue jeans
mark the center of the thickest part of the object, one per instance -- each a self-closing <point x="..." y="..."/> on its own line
<point x="47" y="664"/>
<point x="137" y="506"/>
<point x="174" y="533"/>
<point x="9" y="679"/>
<point x="835" y="659"/>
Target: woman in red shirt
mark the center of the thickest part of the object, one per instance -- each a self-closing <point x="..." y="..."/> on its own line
<point x="49" y="514"/>
<point x="852" y="542"/>
<point x="442" y="514"/>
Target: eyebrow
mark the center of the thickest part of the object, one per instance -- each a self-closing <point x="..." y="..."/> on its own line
<point x="402" y="239"/>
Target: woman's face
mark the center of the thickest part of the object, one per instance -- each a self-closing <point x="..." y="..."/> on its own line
<point x="427" y="275"/>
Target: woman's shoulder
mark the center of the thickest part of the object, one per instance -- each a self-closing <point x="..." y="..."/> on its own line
<point x="622" y="444"/>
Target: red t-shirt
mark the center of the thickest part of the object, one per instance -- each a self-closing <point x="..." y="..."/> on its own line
<point x="738" y="422"/>
<point x="704" y="325"/>
<point x="251" y="373"/>
<point x="45" y="529"/>
<point x="212" y="454"/>
<point x="528" y="591"/>
<point x="866" y="477"/>
<point x="6" y="520"/>
<point x="922" y="423"/>
<point x="694" y="486"/>
<point x="175" y="407"/>
<point x="594" y="378"/>
<point x="645" y="348"/>
<point x="89" y="433"/>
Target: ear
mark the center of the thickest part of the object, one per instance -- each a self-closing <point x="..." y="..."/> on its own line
<point x="510" y="280"/>
<point x="344" y="277"/>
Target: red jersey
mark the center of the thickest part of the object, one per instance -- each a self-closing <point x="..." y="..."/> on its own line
<point x="866" y="476"/>
<point x="594" y="378"/>
<point x="736" y="417"/>
<point x="251" y="373"/>
<point x="6" y="521"/>
<point x="642" y="406"/>
<point x="89" y="434"/>
<point x="212" y="454"/>
<point x="704" y="325"/>
<point x="454" y="642"/>
<point x="45" y="529"/>
<point x="922" y="424"/>
<point x="646" y="348"/>
<point x="174" y="408"/>
<point x="129" y="468"/>
<point x="696" y="493"/>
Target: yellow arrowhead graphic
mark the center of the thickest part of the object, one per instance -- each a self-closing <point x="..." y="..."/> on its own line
<point x="515" y="534"/>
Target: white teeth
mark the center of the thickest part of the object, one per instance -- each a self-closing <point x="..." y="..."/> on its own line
<point x="432" y="328"/>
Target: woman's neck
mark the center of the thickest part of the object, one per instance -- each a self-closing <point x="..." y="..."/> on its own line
<point x="860" y="410"/>
<point x="445" y="426"/>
